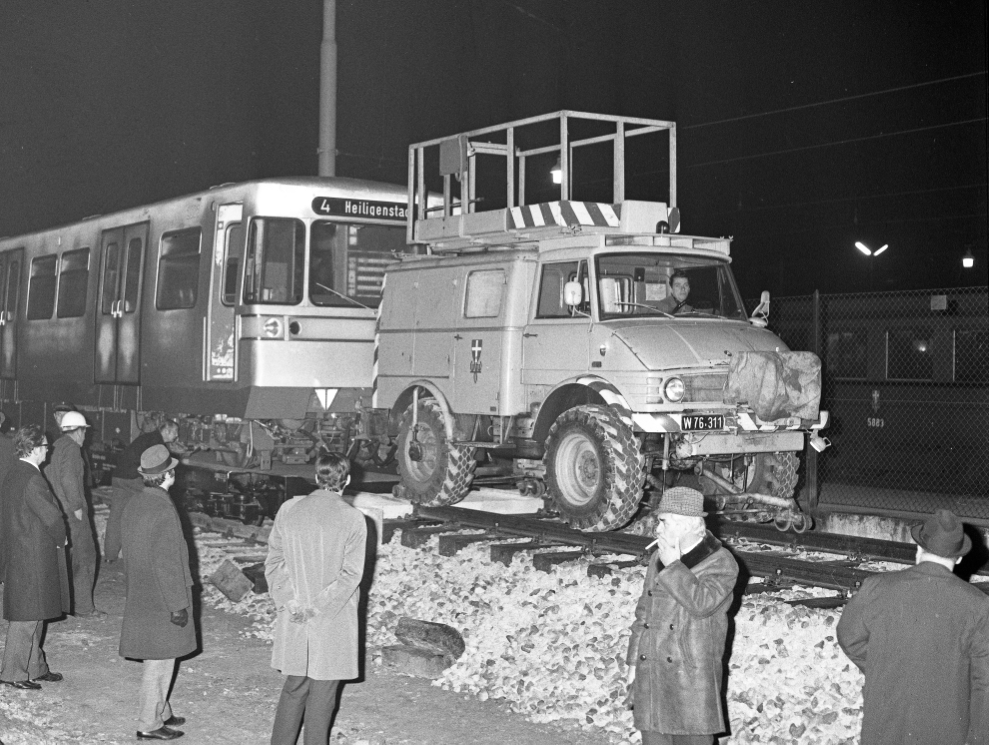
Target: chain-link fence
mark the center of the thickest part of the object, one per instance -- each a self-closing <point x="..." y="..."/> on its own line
<point x="906" y="379"/>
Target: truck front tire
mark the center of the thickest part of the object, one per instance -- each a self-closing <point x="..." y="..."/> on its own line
<point x="436" y="473"/>
<point x="594" y="468"/>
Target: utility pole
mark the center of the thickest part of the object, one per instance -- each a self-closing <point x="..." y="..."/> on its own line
<point x="328" y="91"/>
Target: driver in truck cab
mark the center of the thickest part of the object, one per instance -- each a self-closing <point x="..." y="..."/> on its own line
<point x="676" y="301"/>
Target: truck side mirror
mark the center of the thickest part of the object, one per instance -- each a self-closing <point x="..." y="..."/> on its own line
<point x="760" y="316"/>
<point x="572" y="293"/>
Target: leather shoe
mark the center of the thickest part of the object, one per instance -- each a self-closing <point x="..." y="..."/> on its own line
<point x="174" y="721"/>
<point x="24" y="685"/>
<point x="49" y="677"/>
<point x="162" y="733"/>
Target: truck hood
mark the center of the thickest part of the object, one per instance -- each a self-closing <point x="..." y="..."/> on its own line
<point x="671" y="344"/>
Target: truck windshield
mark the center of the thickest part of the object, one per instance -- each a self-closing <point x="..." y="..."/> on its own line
<point x="665" y="285"/>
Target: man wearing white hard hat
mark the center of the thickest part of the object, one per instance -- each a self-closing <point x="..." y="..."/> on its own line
<point x="66" y="474"/>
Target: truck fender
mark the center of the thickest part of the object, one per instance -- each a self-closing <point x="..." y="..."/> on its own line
<point x="427" y="390"/>
<point x="586" y="389"/>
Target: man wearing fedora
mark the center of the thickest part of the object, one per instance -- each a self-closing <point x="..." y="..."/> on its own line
<point x="158" y="627"/>
<point x="681" y="621"/>
<point x="921" y="636"/>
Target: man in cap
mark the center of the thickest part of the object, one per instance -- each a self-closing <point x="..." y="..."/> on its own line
<point x="315" y="561"/>
<point x="66" y="474"/>
<point x="681" y="621"/>
<point x="32" y="563"/>
<point x="921" y="636"/>
<point x="158" y="627"/>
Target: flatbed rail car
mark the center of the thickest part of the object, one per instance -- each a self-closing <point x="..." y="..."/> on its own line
<point x="246" y="312"/>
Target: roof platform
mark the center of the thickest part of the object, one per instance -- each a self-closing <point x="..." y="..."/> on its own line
<point x="572" y="165"/>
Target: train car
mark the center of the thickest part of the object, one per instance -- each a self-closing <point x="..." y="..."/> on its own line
<point x="245" y="312"/>
<point x="906" y="379"/>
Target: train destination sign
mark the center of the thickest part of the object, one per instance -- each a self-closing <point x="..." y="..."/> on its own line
<point x="342" y="207"/>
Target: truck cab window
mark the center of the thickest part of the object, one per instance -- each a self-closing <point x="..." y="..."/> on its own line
<point x="553" y="279"/>
<point x="275" y="261"/>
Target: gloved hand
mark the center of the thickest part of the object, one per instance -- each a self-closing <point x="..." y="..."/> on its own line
<point x="180" y="617"/>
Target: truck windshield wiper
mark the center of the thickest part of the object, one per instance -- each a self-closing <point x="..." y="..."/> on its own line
<point x="648" y="307"/>
<point x="345" y="297"/>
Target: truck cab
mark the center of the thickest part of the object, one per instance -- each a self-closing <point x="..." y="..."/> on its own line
<point x="585" y="346"/>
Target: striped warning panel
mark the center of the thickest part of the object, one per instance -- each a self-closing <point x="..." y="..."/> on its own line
<point x="564" y="214"/>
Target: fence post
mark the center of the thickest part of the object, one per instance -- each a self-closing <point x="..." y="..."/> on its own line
<point x="812" y="490"/>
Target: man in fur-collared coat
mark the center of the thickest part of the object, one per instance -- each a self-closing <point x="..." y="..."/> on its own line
<point x="315" y="561"/>
<point x="678" y="637"/>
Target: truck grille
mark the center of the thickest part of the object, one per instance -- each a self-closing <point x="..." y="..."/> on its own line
<point x="704" y="387"/>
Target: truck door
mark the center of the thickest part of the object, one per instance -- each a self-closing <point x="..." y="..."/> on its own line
<point x="478" y="343"/>
<point x="554" y="343"/>
<point x="10" y="290"/>
<point x="225" y="272"/>
<point x="118" y="317"/>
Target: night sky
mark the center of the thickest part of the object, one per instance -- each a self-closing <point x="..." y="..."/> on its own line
<point x="802" y="127"/>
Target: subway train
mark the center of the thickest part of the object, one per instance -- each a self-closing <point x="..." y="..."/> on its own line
<point x="245" y="312"/>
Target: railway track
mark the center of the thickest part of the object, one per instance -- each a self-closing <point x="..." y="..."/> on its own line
<point x="552" y="543"/>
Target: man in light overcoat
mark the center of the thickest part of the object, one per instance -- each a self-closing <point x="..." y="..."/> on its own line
<point x="158" y="626"/>
<point x="681" y="621"/>
<point x="314" y="566"/>
<point x="921" y="636"/>
<point x="33" y="568"/>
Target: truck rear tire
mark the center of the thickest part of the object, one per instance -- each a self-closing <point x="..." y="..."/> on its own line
<point x="443" y="472"/>
<point x="594" y="468"/>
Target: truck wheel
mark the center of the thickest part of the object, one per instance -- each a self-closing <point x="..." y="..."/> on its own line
<point x="774" y="474"/>
<point x="594" y="468"/>
<point x="436" y="473"/>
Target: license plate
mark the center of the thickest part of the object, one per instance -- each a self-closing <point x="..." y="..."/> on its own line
<point x="694" y="422"/>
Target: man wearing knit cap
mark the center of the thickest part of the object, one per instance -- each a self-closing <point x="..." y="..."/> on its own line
<point x="921" y="636"/>
<point x="681" y="621"/>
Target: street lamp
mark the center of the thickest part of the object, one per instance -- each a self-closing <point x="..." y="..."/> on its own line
<point x="968" y="261"/>
<point x="557" y="173"/>
<point x="871" y="254"/>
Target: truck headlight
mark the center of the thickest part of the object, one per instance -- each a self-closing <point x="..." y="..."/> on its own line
<point x="272" y="328"/>
<point x="673" y="390"/>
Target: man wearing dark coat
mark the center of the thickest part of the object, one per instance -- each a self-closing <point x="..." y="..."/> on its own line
<point x="158" y="627"/>
<point x="921" y="636"/>
<point x="681" y="622"/>
<point x="33" y="565"/>
<point x="126" y="481"/>
<point x="66" y="474"/>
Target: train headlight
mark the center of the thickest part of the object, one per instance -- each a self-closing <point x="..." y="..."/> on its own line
<point x="674" y="390"/>
<point x="273" y="328"/>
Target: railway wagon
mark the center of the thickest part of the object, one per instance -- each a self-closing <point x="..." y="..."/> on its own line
<point x="246" y="312"/>
<point x="906" y="379"/>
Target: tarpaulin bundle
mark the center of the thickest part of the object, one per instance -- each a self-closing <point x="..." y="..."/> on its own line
<point x="776" y="384"/>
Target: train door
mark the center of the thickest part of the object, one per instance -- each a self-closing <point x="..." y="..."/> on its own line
<point x="10" y="290"/>
<point x="118" y="317"/>
<point x="225" y="272"/>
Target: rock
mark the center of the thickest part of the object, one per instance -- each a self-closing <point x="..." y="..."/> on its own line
<point x="432" y="637"/>
<point x="413" y="661"/>
<point x="231" y="581"/>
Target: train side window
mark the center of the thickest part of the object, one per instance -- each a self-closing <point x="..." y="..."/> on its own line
<point x="231" y="263"/>
<point x="73" y="284"/>
<point x="484" y="293"/>
<point x="178" y="269"/>
<point x="909" y="354"/>
<point x="847" y="354"/>
<point x="971" y="356"/>
<point x="111" y="278"/>
<point x="275" y="261"/>
<point x="41" y="290"/>
<point x="13" y="288"/>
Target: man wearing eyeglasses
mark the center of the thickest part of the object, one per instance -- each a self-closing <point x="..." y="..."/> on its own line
<point x="32" y="562"/>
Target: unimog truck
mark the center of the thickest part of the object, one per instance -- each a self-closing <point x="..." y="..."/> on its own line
<point x="543" y="340"/>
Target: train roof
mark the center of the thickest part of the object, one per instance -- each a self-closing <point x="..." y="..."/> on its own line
<point x="328" y="186"/>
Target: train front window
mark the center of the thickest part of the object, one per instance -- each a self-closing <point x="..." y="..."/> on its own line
<point x="275" y="261"/>
<point x="642" y="284"/>
<point x="347" y="262"/>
